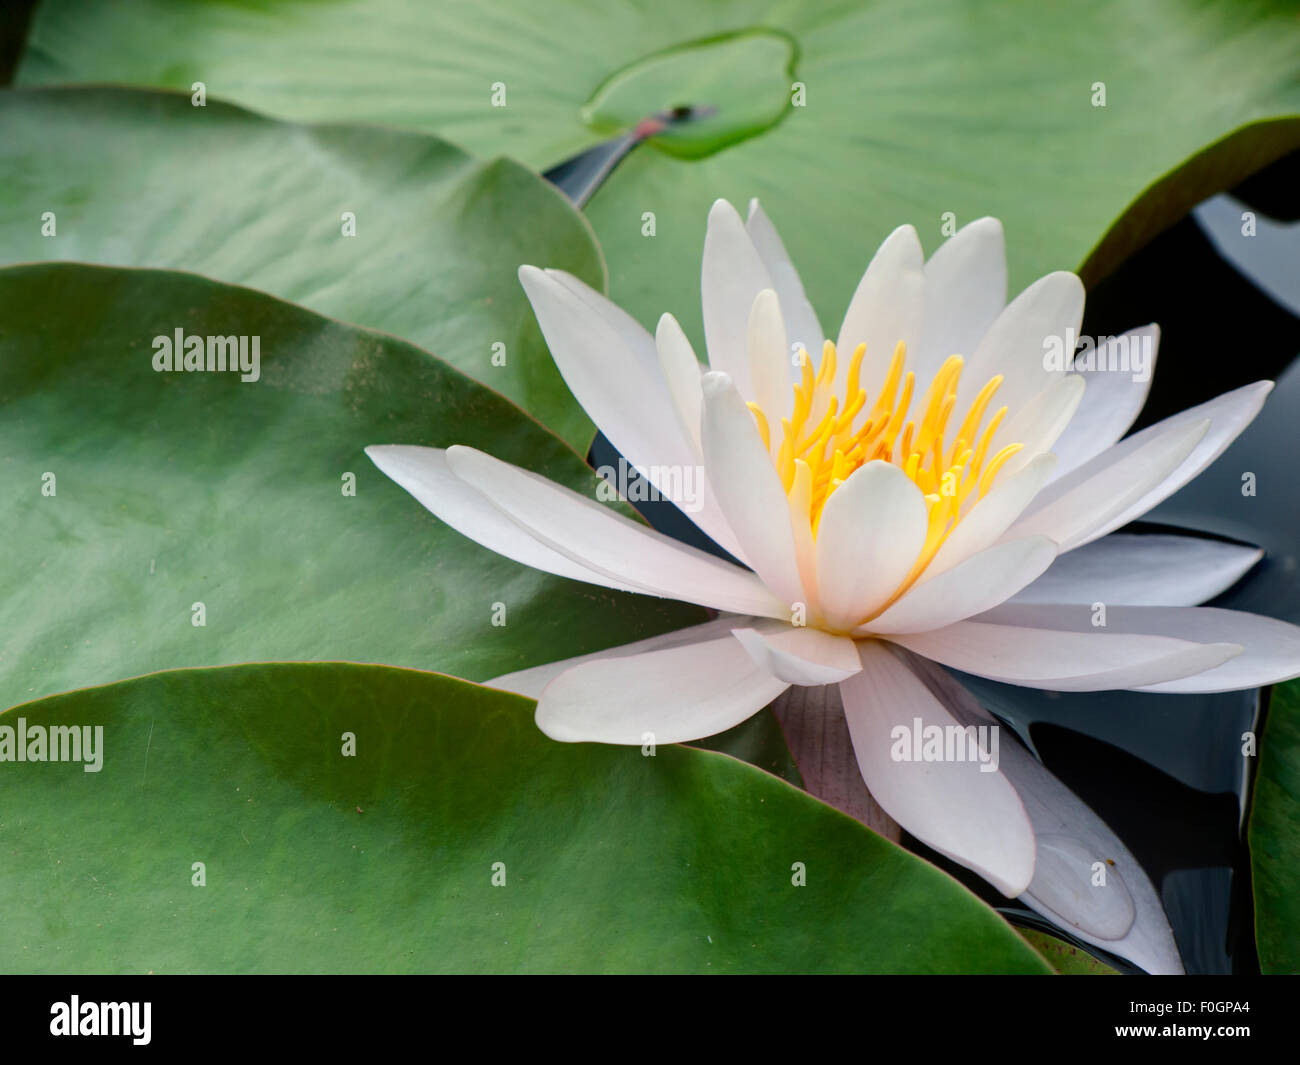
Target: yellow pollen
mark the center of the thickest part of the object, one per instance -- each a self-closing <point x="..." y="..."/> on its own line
<point x="855" y="370"/>
<point x="830" y="434"/>
<point x="823" y="428"/>
<point x="986" y="479"/>
<point x="761" y="419"/>
<point x="826" y="372"/>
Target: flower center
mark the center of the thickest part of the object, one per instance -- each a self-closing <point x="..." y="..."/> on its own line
<point x="825" y="439"/>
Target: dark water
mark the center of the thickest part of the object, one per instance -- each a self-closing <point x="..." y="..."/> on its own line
<point x="1166" y="772"/>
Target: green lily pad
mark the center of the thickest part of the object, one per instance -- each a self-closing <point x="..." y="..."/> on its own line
<point x="745" y="77"/>
<point x="1275" y="835"/>
<point x="760" y="741"/>
<point x="384" y="861"/>
<point x="1065" y="957"/>
<point x="128" y="496"/>
<point x="136" y="178"/>
<point x="928" y="112"/>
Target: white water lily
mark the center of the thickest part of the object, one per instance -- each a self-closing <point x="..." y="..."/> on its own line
<point x="899" y="498"/>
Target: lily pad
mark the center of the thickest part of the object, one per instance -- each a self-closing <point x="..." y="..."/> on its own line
<point x="384" y="860"/>
<point x="1064" y="121"/>
<point x="395" y="230"/>
<point x="1274" y="839"/>
<point x="744" y="76"/>
<point x="1066" y="957"/>
<point x="162" y="519"/>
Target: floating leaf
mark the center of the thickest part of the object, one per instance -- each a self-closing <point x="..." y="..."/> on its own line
<point x="398" y="231"/>
<point x="456" y="838"/>
<point x="1275" y="835"/>
<point x="138" y="503"/>
<point x="1067" y="122"/>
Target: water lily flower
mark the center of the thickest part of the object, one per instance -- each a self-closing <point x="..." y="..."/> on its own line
<point x="926" y="488"/>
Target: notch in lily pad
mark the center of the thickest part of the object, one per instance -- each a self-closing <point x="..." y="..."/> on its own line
<point x="719" y="91"/>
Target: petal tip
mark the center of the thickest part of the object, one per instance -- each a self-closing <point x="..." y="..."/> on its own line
<point x="715" y="383"/>
<point x="386" y="456"/>
<point x="723" y="211"/>
<point x="553" y="729"/>
<point x="533" y="280"/>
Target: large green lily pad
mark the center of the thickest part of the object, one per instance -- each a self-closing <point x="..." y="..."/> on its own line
<point x="910" y="111"/>
<point x="1275" y="835"/>
<point x="137" y="178"/>
<point x="313" y="861"/>
<point x="128" y="496"/>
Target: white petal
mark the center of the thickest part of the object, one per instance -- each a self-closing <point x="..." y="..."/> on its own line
<point x="769" y="362"/>
<point x="749" y="489"/>
<point x="669" y="696"/>
<point x="531" y="681"/>
<point x="682" y="373"/>
<point x="1113" y="398"/>
<point x="886" y="307"/>
<point x="1149" y="570"/>
<point x="1073" y="509"/>
<point x="608" y="360"/>
<point x="991" y="515"/>
<point x="965" y="291"/>
<point x="871" y="531"/>
<point x="1015" y="345"/>
<point x="972" y="816"/>
<point x="1228" y="415"/>
<point x="979" y="583"/>
<point x="800" y="318"/>
<point x="604" y="540"/>
<point x="423" y="471"/>
<point x="733" y="273"/>
<point x="611" y="366"/>
<point x="801" y="656"/>
<point x="1039" y="656"/>
<point x="1271" y="648"/>
<point x="1123" y="914"/>
<point x="1039" y="422"/>
<point x="1070" y="839"/>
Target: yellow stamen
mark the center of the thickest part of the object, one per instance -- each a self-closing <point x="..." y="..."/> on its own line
<point x="986" y="478"/>
<point x="826" y="372"/>
<point x="976" y="412"/>
<point x="887" y="390"/>
<point x="819" y="448"/>
<point x="823" y="428"/>
<point x="913" y="465"/>
<point x="785" y="457"/>
<point x="855" y="371"/>
<point x="907" y="438"/>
